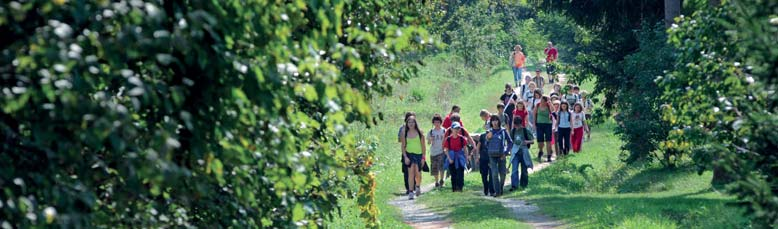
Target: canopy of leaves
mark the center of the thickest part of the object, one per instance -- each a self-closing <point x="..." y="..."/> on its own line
<point x="190" y="113"/>
<point x="722" y="99"/>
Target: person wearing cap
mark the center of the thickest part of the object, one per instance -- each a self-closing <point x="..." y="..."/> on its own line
<point x="538" y="79"/>
<point x="456" y="146"/>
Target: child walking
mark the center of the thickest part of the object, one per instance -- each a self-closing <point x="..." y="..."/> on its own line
<point x="522" y="140"/>
<point x="499" y="144"/>
<point x="563" y="128"/>
<point x="414" y="150"/>
<point x="579" y="125"/>
<point x="457" y="156"/>
<point x="435" y="140"/>
<point x="483" y="161"/>
<point x="543" y="126"/>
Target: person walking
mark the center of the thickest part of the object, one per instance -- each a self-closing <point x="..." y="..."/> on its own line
<point x="414" y="150"/>
<point x="563" y="126"/>
<point x="543" y="126"/>
<point x="435" y="141"/>
<point x="579" y="125"/>
<point x="455" y="145"/>
<point x="517" y="60"/>
<point x="499" y="144"/>
<point x="483" y="159"/>
<point x="522" y="140"/>
<point x="551" y="56"/>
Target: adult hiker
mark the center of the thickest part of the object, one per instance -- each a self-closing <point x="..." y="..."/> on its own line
<point x="435" y="141"/>
<point x="551" y="56"/>
<point x="414" y="150"/>
<point x="447" y="120"/>
<point x="499" y="144"/>
<point x="579" y="125"/>
<point x="563" y="126"/>
<point x="522" y="140"/>
<point x="457" y="156"/>
<point x="543" y="126"/>
<point x="538" y="79"/>
<point x="402" y="157"/>
<point x="483" y="161"/>
<point x="532" y="102"/>
<point x="517" y="60"/>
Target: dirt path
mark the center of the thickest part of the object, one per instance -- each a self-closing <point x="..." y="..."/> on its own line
<point x="527" y="212"/>
<point x="419" y="216"/>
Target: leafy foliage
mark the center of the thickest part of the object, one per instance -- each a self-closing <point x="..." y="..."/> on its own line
<point x="191" y="113"/>
<point x="640" y="123"/>
<point x="722" y="99"/>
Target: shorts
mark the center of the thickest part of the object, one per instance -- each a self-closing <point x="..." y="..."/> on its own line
<point x="550" y="69"/>
<point x="415" y="159"/>
<point x="437" y="163"/>
<point x="543" y="131"/>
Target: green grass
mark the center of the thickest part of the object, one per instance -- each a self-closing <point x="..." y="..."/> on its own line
<point x="594" y="189"/>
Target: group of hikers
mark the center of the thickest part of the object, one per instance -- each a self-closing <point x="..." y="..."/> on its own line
<point x="525" y="115"/>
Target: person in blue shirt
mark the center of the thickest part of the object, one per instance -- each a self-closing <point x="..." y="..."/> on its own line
<point x="499" y="144"/>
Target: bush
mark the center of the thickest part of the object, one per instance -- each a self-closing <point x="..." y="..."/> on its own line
<point x="191" y="113"/>
<point x="721" y="98"/>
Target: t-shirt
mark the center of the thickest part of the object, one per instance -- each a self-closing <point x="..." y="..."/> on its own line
<point x="578" y="119"/>
<point x="564" y="119"/>
<point x="436" y="138"/>
<point x="518" y="59"/>
<point x="507" y="101"/>
<point x="523" y="114"/>
<point x="447" y="122"/>
<point x="572" y="99"/>
<point x="544" y="116"/>
<point x="462" y="132"/>
<point x="455" y="143"/>
<point x="551" y="54"/>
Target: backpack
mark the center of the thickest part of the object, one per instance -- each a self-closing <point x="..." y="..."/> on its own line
<point x="571" y="99"/>
<point x="495" y="145"/>
<point x="461" y="142"/>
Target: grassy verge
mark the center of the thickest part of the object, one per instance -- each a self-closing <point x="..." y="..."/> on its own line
<point x="594" y="189"/>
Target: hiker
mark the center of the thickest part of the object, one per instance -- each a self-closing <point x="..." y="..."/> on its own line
<point x="554" y="119"/>
<point x="588" y="106"/>
<point x="484" y="114"/>
<point x="525" y="86"/>
<point x="543" y="125"/>
<point x="504" y="118"/>
<point x="414" y="151"/>
<point x="531" y="104"/>
<point x="457" y="156"/>
<point x="483" y="158"/>
<point x="563" y="128"/>
<point x="508" y="105"/>
<point x="551" y="56"/>
<point x="529" y="93"/>
<point x="538" y="79"/>
<point x="572" y="96"/>
<point x="447" y="121"/>
<point x="521" y="112"/>
<point x="557" y="88"/>
<point x="499" y="144"/>
<point x="517" y="60"/>
<point x="402" y="157"/>
<point x="455" y="117"/>
<point x="522" y="140"/>
<point x="579" y="125"/>
<point x="435" y="141"/>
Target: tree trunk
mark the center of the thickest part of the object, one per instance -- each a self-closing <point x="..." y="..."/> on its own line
<point x="672" y="10"/>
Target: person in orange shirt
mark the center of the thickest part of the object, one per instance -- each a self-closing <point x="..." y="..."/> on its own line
<point x="517" y="60"/>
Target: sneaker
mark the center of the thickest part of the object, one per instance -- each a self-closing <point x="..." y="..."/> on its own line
<point x="418" y="192"/>
<point x="411" y="196"/>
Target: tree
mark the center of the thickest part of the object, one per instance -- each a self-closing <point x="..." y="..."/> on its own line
<point x="191" y="113"/>
<point x="672" y="10"/>
<point x="721" y="100"/>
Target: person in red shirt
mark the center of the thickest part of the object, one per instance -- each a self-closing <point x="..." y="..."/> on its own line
<point x="551" y="56"/>
<point x="521" y="111"/>
<point x="456" y="148"/>
<point x="447" y="120"/>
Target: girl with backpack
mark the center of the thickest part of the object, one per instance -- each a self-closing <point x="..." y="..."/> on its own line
<point x="483" y="161"/>
<point x="563" y="126"/>
<point x="455" y="145"/>
<point x="414" y="150"/>
<point x="499" y="144"/>
<point x="579" y="125"/>
<point x="402" y="157"/>
<point x="521" y="112"/>
<point x="543" y="126"/>
<point x="522" y="140"/>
